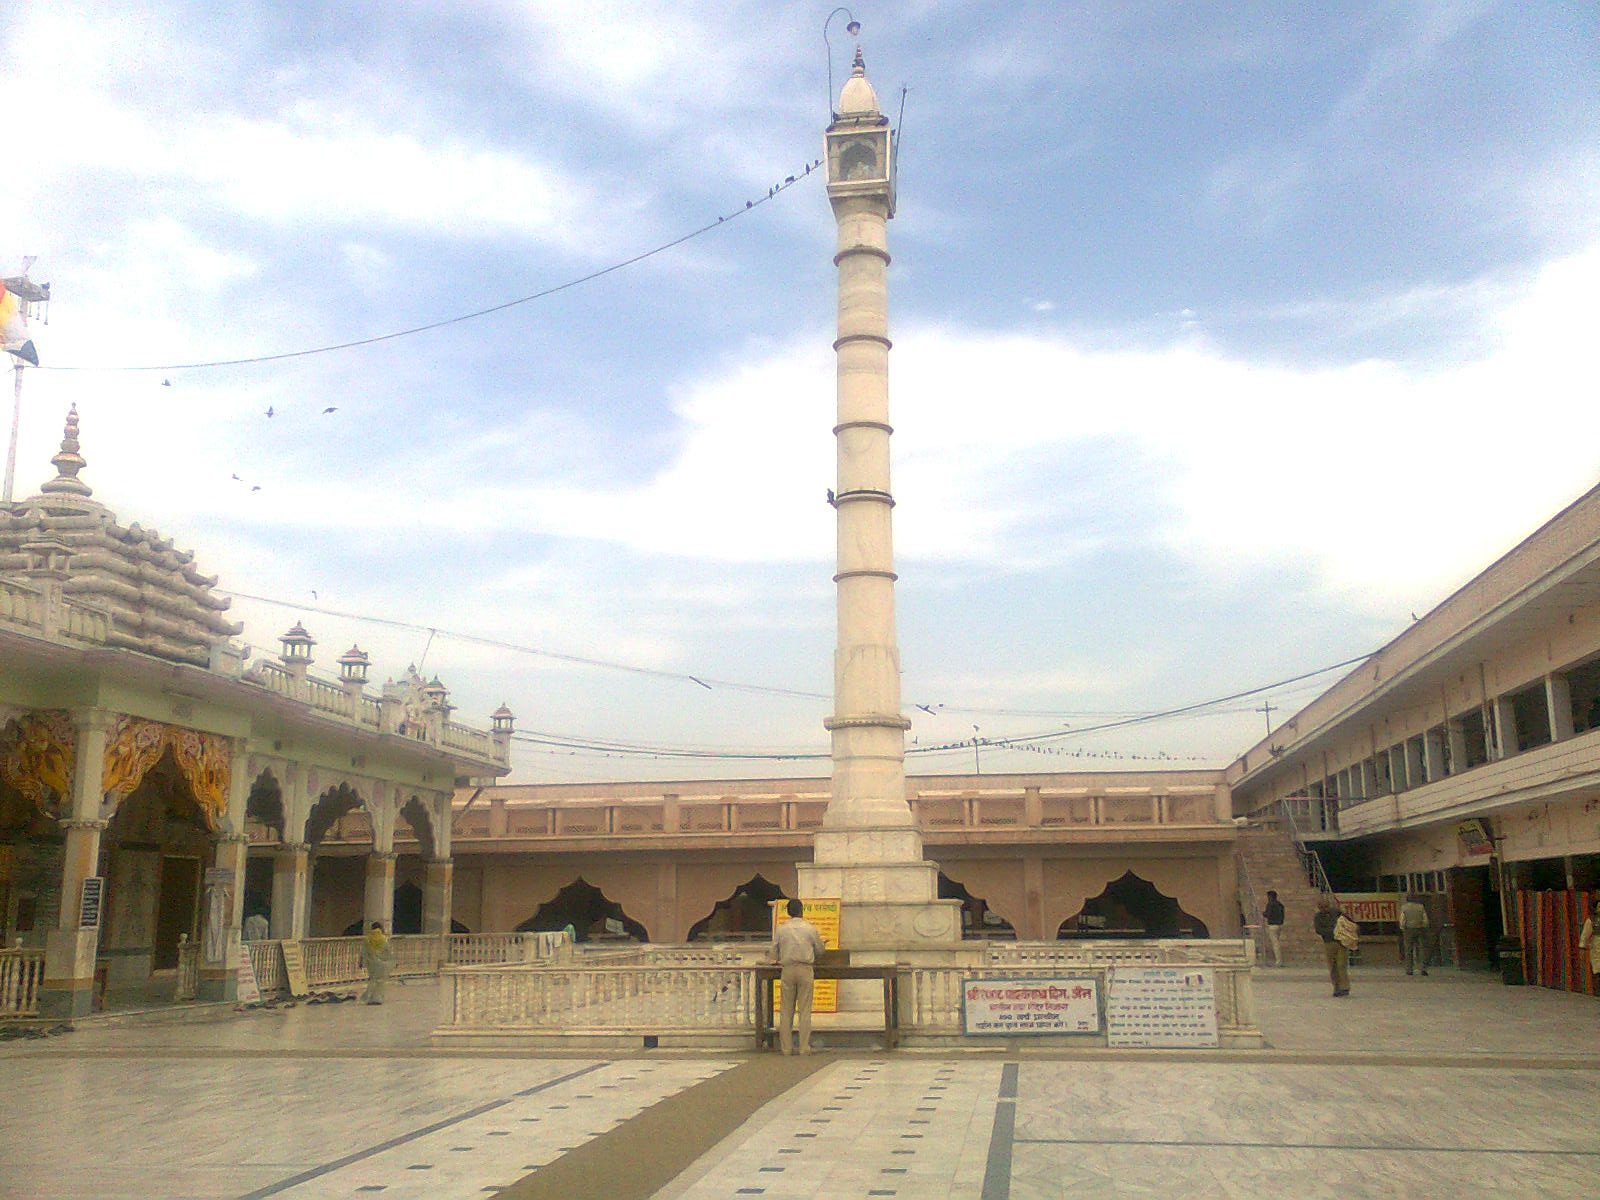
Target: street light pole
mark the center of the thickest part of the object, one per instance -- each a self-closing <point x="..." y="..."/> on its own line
<point x="16" y="418"/>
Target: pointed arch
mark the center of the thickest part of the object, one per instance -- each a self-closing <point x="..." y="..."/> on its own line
<point x="587" y="909"/>
<point x="745" y="911"/>
<point x="978" y="918"/>
<point x="332" y="804"/>
<point x="1132" y="907"/>
<point x="264" y="805"/>
<point x="414" y="815"/>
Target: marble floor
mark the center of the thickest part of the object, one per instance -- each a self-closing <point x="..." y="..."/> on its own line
<point x="1449" y="1085"/>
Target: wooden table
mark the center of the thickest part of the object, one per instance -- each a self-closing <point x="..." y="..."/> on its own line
<point x="768" y="973"/>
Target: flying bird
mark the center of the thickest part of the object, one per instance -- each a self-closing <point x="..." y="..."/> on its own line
<point x="329" y="409"/>
<point x="256" y="488"/>
<point x="927" y="708"/>
<point x="313" y="593"/>
<point x="238" y="479"/>
<point x="269" y="412"/>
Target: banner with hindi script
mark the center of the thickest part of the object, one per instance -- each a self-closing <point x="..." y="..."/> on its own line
<point x="1017" y="1007"/>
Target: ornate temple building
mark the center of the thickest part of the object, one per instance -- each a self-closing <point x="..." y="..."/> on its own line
<point x="155" y="784"/>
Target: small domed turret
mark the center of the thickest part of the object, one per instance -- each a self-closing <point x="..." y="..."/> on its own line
<point x="858" y="99"/>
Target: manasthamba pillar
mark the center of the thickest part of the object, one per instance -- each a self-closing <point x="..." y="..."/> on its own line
<point x="868" y="852"/>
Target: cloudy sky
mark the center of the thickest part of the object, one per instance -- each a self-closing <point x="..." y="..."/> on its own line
<point x="1224" y="341"/>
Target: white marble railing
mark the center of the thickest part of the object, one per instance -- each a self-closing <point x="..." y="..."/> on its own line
<point x="267" y="960"/>
<point x="20" y="604"/>
<point x="464" y="737"/>
<point x="1143" y="952"/>
<point x="332" y="962"/>
<point x="680" y="993"/>
<point x="355" y="706"/>
<point x="21" y="976"/>
<point x="599" y="999"/>
<point x="482" y="949"/>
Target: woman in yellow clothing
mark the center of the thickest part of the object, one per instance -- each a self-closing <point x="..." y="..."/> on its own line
<point x="376" y="958"/>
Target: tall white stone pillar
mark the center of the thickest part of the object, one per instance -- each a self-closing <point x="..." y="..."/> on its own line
<point x="868" y="852"/>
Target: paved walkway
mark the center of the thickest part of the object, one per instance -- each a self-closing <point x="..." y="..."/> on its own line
<point x="1409" y="1087"/>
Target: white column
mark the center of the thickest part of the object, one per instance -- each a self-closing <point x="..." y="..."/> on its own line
<point x="1558" y="700"/>
<point x="1505" y="724"/>
<point x="1433" y="754"/>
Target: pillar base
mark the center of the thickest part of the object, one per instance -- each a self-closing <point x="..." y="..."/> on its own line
<point x="66" y="999"/>
<point x="217" y="985"/>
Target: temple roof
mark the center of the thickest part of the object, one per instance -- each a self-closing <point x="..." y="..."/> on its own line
<point x="158" y="601"/>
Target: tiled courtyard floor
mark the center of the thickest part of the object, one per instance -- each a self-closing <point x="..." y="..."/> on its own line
<point x="1452" y="1085"/>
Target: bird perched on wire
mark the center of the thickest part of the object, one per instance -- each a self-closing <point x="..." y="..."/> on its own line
<point x="166" y="383"/>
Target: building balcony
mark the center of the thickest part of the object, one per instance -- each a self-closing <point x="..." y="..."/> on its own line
<point x="1556" y="771"/>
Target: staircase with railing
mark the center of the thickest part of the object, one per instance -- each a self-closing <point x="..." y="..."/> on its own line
<point x="1272" y="856"/>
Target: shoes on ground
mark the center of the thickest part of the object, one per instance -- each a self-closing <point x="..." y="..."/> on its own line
<point x="1346" y="992"/>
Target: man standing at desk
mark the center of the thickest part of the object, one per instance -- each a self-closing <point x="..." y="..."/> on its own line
<point x="796" y="946"/>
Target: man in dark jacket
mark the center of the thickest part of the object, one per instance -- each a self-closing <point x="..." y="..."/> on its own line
<point x="1272" y="914"/>
<point x="1326" y="922"/>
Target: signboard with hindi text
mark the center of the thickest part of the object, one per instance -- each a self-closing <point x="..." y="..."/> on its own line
<point x="1371" y="908"/>
<point x="1161" y="1007"/>
<point x="294" y="969"/>
<point x="1016" y="1007"/>
<point x="824" y="914"/>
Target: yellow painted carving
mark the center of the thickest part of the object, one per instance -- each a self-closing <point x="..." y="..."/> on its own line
<point x="36" y="753"/>
<point x="134" y="746"/>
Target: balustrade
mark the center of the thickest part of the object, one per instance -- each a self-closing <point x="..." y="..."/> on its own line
<point x="711" y="991"/>
<point x="21" y="977"/>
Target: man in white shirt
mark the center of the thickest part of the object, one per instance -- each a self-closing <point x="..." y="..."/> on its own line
<point x="796" y="946"/>
<point x="1414" y="933"/>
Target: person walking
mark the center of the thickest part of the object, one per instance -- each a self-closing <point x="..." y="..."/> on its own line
<point x="1414" y="933"/>
<point x="1326" y="923"/>
<point x="375" y="956"/>
<point x="796" y="946"/>
<point x="1273" y="914"/>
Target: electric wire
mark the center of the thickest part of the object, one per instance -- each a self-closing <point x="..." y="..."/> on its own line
<point x="750" y="205"/>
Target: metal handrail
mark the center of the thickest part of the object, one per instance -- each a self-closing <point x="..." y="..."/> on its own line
<point x="1310" y="860"/>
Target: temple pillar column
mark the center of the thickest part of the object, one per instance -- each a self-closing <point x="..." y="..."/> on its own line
<point x="221" y="943"/>
<point x="291" y="874"/>
<point x="380" y="891"/>
<point x="438" y="882"/>
<point x="70" y="947"/>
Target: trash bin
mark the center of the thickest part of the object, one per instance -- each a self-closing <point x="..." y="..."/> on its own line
<point x="1509" y="951"/>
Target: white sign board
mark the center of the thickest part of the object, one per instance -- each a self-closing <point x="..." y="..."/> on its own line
<point x="1030" y="1006"/>
<point x="1164" y="1007"/>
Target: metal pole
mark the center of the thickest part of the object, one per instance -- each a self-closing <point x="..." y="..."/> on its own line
<point x="16" y="418"/>
<point x="977" y="763"/>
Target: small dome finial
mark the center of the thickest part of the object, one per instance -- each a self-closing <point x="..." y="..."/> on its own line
<point x="68" y="462"/>
<point x="859" y="67"/>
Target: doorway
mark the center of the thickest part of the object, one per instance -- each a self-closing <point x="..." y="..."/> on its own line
<point x="177" y="910"/>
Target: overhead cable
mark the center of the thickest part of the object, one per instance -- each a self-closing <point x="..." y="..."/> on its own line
<point x="750" y="205"/>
